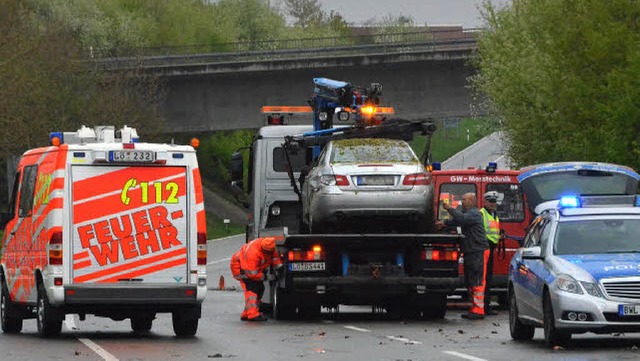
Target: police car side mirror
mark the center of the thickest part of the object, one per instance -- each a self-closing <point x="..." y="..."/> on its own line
<point x="532" y="253"/>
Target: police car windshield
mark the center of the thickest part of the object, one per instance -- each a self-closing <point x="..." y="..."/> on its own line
<point x="597" y="236"/>
<point x="550" y="186"/>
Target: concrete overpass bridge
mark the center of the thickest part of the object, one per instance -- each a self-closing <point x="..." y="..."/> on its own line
<point x="422" y="74"/>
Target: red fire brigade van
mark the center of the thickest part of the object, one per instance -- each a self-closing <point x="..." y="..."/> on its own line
<point x="106" y="226"/>
<point x="450" y="185"/>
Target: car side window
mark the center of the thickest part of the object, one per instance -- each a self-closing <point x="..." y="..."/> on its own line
<point x="27" y="188"/>
<point x="531" y="238"/>
<point x="14" y="195"/>
<point x="545" y="233"/>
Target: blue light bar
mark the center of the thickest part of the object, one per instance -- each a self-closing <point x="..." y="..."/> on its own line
<point x="570" y="202"/>
<point x="58" y="135"/>
<point x="436" y="165"/>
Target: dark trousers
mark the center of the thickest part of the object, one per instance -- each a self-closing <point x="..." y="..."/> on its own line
<point x="489" y="279"/>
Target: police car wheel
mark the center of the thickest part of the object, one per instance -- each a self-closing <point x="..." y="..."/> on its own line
<point x="9" y="324"/>
<point x="518" y="330"/>
<point x="553" y="336"/>
<point x="48" y="317"/>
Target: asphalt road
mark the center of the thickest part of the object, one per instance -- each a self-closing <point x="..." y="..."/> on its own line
<point x="491" y="148"/>
<point x="354" y="334"/>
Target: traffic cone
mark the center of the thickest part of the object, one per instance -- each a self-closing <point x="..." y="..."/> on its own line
<point x="221" y="282"/>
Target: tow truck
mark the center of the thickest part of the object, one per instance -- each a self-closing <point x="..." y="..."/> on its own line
<point x="406" y="274"/>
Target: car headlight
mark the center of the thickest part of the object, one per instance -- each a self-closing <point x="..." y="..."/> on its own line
<point x="592" y="289"/>
<point x="569" y="284"/>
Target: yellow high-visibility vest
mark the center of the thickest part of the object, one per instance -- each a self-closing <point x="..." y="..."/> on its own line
<point x="491" y="226"/>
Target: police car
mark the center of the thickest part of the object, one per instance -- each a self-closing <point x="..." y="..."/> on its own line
<point x="578" y="269"/>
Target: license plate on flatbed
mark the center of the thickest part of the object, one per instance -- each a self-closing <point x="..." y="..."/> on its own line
<point x="629" y="310"/>
<point x="132" y="156"/>
<point x="307" y="266"/>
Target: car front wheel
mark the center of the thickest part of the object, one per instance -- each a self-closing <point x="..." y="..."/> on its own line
<point x="519" y="331"/>
<point x="553" y="336"/>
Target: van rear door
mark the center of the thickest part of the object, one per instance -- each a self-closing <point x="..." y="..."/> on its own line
<point x="129" y="224"/>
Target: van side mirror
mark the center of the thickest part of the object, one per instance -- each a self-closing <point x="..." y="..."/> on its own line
<point x="4" y="219"/>
<point x="237" y="168"/>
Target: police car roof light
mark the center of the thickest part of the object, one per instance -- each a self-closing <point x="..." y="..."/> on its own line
<point x="570" y="202"/>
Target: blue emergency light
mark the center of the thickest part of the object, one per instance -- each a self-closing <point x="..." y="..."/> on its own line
<point x="436" y="166"/>
<point x="56" y="135"/>
<point x="570" y="202"/>
<point x="491" y="168"/>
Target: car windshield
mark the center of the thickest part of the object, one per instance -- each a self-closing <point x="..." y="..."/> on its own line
<point x="372" y="151"/>
<point x="598" y="236"/>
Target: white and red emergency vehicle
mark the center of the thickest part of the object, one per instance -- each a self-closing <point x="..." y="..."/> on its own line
<point x="104" y="225"/>
<point x="451" y="184"/>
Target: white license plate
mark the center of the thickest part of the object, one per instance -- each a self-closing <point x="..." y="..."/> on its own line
<point x="629" y="310"/>
<point x="306" y="266"/>
<point x="132" y="156"/>
<point x="375" y="180"/>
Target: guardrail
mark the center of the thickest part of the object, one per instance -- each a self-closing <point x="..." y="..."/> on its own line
<point x="425" y="41"/>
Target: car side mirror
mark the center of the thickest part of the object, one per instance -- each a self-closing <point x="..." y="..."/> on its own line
<point x="532" y="253"/>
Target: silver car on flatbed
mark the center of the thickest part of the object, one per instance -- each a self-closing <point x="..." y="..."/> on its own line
<point x="367" y="184"/>
<point x="578" y="270"/>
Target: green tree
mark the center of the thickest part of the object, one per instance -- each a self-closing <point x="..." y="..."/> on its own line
<point x="564" y="78"/>
<point x="46" y="84"/>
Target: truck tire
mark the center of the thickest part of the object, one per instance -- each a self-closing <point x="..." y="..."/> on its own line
<point x="49" y="318"/>
<point x="283" y="306"/>
<point x="10" y="323"/>
<point x="142" y="324"/>
<point x="435" y="308"/>
<point x="184" y="323"/>
<point x="309" y="309"/>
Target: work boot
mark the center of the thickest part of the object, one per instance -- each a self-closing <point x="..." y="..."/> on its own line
<point x="260" y="318"/>
<point x="472" y="316"/>
<point x="490" y="312"/>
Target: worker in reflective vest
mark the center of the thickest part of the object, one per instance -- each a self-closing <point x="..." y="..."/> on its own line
<point x="249" y="265"/>
<point x="492" y="229"/>
<point x="474" y="248"/>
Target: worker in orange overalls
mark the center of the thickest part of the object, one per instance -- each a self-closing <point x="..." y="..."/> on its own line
<point x="249" y="266"/>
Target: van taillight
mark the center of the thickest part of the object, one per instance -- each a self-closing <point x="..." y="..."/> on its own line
<point x="202" y="249"/>
<point x="439" y="254"/>
<point x="417" y="179"/>
<point x="55" y="249"/>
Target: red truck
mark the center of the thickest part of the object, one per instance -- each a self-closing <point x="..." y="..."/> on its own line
<point x="452" y="184"/>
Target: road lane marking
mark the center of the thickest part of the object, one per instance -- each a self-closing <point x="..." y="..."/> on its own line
<point x="405" y="340"/>
<point x="97" y="349"/>
<point x="218" y="261"/>
<point x="224" y="238"/>
<point x="464" y="356"/>
<point x="357" y="329"/>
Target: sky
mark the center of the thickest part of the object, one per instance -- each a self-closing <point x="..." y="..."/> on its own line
<point x="431" y="12"/>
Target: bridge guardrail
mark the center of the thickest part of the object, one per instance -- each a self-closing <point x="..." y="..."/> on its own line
<point x="318" y="48"/>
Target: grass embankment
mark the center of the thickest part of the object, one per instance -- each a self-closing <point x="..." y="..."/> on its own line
<point x="450" y="140"/>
